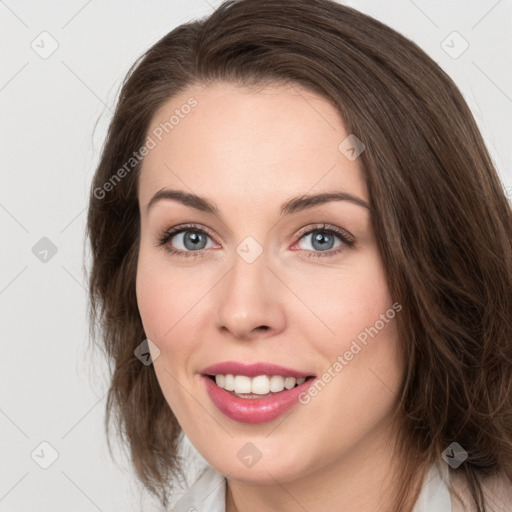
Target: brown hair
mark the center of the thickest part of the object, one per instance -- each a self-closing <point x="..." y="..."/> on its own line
<point x="441" y="218"/>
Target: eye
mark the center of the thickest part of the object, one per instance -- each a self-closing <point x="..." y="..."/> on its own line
<point x="186" y="241"/>
<point x="193" y="241"/>
<point x="327" y="240"/>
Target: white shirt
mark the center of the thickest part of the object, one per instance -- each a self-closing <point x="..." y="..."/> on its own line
<point x="207" y="493"/>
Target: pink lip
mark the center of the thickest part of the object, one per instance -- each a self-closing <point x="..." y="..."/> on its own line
<point x="253" y="410"/>
<point x="252" y="370"/>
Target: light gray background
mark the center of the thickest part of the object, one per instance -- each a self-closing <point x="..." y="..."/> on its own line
<point x="52" y="388"/>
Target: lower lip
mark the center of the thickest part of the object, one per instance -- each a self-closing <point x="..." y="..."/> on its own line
<point x="254" y="410"/>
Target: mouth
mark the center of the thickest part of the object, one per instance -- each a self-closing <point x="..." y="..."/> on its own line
<point x="260" y="386"/>
<point x="254" y="393"/>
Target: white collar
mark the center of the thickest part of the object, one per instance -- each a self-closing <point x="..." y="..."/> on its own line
<point x="434" y="495"/>
<point x="208" y="492"/>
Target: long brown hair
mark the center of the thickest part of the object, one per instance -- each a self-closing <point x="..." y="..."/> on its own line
<point x="441" y="218"/>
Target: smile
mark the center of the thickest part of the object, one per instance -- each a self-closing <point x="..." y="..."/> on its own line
<point x="255" y="393"/>
<point x="241" y="385"/>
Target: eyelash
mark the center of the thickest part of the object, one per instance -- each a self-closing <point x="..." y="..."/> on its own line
<point x="166" y="236"/>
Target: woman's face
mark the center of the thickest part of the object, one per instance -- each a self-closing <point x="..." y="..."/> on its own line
<point x="259" y="279"/>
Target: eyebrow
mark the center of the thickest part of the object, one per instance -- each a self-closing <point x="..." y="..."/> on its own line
<point x="293" y="205"/>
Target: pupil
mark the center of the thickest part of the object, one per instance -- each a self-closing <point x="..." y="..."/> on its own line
<point x="322" y="239"/>
<point x="193" y="239"/>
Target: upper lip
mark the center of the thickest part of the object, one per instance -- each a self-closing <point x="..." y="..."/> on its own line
<point x="252" y="369"/>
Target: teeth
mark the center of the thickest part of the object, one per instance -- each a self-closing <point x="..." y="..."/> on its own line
<point x="276" y="383"/>
<point x="229" y="383"/>
<point x="242" y="384"/>
<point x="289" y="382"/>
<point x="260" y="385"/>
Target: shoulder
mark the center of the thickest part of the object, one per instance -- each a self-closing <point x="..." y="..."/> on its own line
<point x="497" y="491"/>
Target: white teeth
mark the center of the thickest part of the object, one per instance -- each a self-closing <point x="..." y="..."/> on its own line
<point x="289" y="382"/>
<point x="260" y="385"/>
<point x="276" y="383"/>
<point x="242" y="384"/>
<point x="229" y="382"/>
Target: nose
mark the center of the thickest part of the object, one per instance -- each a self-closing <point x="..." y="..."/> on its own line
<point x="250" y="300"/>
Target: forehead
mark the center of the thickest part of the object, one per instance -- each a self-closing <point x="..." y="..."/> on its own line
<point x="233" y="142"/>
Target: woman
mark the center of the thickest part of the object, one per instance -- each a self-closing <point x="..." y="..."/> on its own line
<point x="296" y="220"/>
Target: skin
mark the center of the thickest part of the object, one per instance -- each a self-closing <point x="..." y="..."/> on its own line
<point x="248" y="152"/>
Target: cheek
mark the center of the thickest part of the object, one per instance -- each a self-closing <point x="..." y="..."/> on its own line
<point x="161" y="297"/>
<point x="345" y="302"/>
<point x="150" y="298"/>
<point x="161" y="306"/>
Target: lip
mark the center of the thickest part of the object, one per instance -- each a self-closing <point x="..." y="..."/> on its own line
<point x="252" y="369"/>
<point x="253" y="410"/>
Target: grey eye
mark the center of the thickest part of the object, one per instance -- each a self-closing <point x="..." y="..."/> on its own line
<point x="190" y="240"/>
<point x="320" y="240"/>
